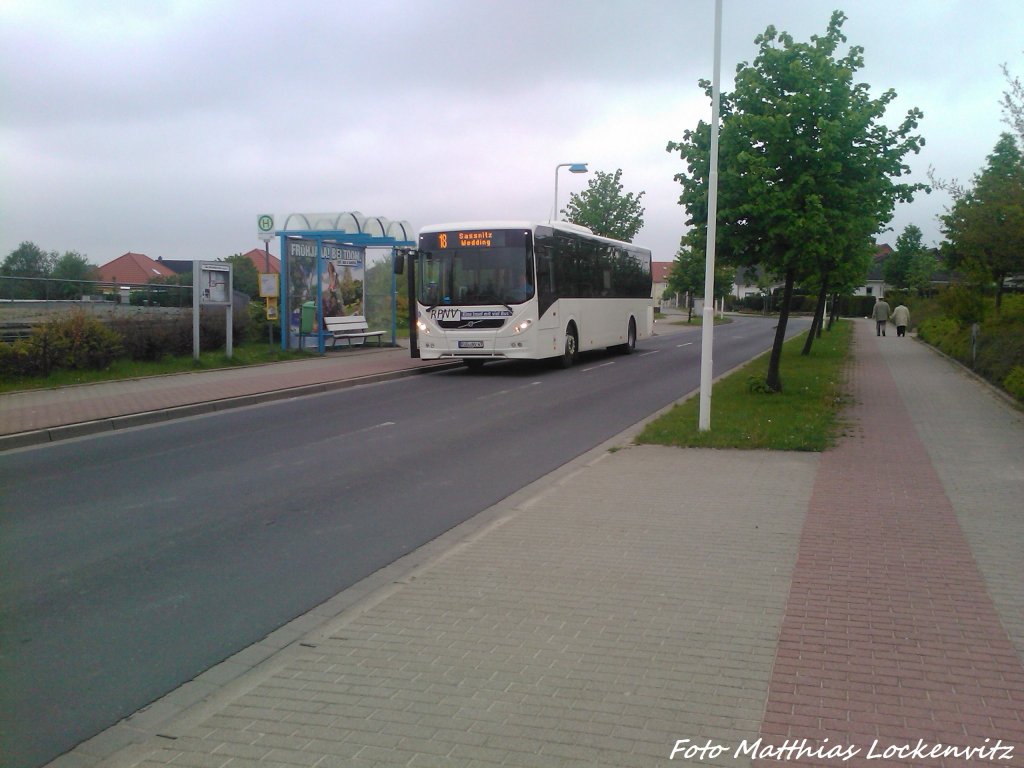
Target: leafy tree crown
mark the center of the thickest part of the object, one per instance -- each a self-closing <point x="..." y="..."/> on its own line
<point x="604" y="208"/>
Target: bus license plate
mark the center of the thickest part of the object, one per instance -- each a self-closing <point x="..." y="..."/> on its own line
<point x="471" y="345"/>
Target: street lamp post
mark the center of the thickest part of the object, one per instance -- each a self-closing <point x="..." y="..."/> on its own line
<point x="708" y="319"/>
<point x="573" y="168"/>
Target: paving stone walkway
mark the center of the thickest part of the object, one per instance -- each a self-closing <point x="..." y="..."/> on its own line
<point x="864" y="606"/>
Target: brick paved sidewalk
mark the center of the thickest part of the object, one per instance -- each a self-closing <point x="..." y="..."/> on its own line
<point x="656" y="595"/>
<point x="890" y="633"/>
<point x="580" y="629"/>
<point x="27" y="417"/>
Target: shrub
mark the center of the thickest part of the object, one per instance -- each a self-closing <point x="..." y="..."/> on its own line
<point x="151" y="339"/>
<point x="74" y="341"/>
<point x="1013" y="307"/>
<point x="1000" y="349"/>
<point x="856" y="306"/>
<point x="963" y="304"/>
<point x="258" y="321"/>
<point x="948" y="336"/>
<point x="1014" y="382"/>
<point x="935" y="329"/>
<point x="15" y="360"/>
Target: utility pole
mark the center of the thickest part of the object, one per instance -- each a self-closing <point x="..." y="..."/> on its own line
<point x="708" y="318"/>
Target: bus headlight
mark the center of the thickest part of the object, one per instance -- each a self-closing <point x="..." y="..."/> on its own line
<point x="522" y="326"/>
<point x="422" y="327"/>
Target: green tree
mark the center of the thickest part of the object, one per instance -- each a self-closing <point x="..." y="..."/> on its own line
<point x="909" y="246"/>
<point x="244" y="276"/>
<point x="688" y="272"/>
<point x="839" y="274"/>
<point x="1013" y="103"/>
<point x="686" y="276"/>
<point x="74" y="268"/>
<point x="985" y="227"/>
<point x="806" y="165"/>
<point x="922" y="269"/>
<point x="27" y="260"/>
<point x="605" y="209"/>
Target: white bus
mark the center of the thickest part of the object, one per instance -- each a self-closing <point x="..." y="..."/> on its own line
<point x="496" y="290"/>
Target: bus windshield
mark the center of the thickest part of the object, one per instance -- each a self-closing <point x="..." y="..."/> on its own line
<point x="475" y="268"/>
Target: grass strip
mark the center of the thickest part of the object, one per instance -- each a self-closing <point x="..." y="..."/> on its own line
<point x="805" y="416"/>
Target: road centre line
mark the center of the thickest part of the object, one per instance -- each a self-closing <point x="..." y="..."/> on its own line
<point x="489" y="395"/>
<point x="595" y="367"/>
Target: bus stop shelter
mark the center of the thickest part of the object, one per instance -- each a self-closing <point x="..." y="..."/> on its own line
<point x="337" y="264"/>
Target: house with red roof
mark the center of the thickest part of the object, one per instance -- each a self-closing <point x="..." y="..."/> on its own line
<point x="258" y="257"/>
<point x="139" y="268"/>
<point x="132" y="268"/>
<point x="659" y="279"/>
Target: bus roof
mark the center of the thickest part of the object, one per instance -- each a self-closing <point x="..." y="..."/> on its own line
<point x="486" y="224"/>
<point x="566" y="226"/>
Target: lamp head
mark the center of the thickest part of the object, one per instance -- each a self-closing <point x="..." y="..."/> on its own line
<point x="578" y="168"/>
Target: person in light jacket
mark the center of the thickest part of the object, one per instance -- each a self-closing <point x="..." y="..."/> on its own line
<point x="901" y="319"/>
<point x="881" y="315"/>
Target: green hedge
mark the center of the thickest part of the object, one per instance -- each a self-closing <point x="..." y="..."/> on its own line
<point x="81" y="341"/>
<point x="73" y="341"/>
<point x="997" y="354"/>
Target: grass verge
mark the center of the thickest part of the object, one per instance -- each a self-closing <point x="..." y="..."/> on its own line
<point x="805" y="416"/>
<point x="251" y="353"/>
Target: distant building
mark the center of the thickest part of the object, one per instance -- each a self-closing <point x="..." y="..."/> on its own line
<point x="179" y="266"/>
<point x="747" y="278"/>
<point x="132" y="268"/>
<point x="258" y="257"/>
<point x="748" y="282"/>
<point x="875" y="282"/>
<point x="659" y="280"/>
<point x="137" y="268"/>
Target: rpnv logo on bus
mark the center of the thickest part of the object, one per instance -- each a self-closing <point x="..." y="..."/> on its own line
<point x="439" y="314"/>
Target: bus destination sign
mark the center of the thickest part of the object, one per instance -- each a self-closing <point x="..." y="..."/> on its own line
<point x="478" y="238"/>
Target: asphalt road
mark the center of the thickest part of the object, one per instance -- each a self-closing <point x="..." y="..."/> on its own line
<point x="133" y="561"/>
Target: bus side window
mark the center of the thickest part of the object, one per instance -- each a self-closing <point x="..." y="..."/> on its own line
<point x="545" y="277"/>
<point x="545" y="274"/>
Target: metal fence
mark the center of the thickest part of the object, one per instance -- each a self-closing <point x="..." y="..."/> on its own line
<point x="26" y="302"/>
<point x="56" y="289"/>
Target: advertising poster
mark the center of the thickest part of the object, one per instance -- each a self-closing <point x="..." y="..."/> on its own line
<point x="341" y="279"/>
<point x="301" y="286"/>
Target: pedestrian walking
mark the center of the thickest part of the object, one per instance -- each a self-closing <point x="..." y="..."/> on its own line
<point x="881" y="315"/>
<point x="901" y="319"/>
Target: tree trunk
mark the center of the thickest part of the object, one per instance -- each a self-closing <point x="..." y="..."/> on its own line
<point x="774" y="381"/>
<point x="833" y="312"/>
<point x="819" y="316"/>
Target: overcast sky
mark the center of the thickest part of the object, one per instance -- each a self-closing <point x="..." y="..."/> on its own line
<point x="166" y="127"/>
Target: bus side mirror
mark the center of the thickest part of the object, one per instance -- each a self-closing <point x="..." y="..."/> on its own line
<point x="399" y="263"/>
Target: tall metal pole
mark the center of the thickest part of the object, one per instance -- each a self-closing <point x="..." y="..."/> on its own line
<point x="270" y="323"/>
<point x="573" y="168"/>
<point x="554" y="211"/>
<point x="708" y="318"/>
